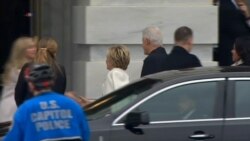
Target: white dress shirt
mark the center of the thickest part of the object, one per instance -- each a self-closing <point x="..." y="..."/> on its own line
<point x="116" y="78"/>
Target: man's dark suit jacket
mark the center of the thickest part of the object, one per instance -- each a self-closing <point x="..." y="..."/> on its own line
<point x="232" y="24"/>
<point x="179" y="58"/>
<point x="155" y="62"/>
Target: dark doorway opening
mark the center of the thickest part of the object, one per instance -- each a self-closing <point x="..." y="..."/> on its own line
<point x="14" y="22"/>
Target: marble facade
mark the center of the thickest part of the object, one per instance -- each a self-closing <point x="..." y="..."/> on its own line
<point x="95" y="25"/>
<point x="114" y="25"/>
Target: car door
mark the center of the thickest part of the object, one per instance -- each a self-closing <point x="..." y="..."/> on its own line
<point x="237" y="124"/>
<point x="185" y="111"/>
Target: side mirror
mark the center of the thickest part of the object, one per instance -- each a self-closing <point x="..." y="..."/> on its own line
<point x="135" y="119"/>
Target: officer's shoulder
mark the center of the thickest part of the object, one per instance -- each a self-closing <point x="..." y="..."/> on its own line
<point x="64" y="99"/>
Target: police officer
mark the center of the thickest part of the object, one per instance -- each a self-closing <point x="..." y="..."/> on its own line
<point x="48" y="115"/>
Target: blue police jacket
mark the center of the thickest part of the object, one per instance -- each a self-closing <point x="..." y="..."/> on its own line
<point x="49" y="117"/>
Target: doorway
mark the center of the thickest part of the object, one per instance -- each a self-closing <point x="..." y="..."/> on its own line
<point x="14" y="22"/>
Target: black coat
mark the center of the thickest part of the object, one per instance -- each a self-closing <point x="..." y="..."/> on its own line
<point x="179" y="58"/>
<point x="23" y="93"/>
<point x="155" y="62"/>
<point x="232" y="24"/>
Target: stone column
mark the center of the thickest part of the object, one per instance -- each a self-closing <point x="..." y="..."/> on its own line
<point x="56" y="22"/>
<point x="97" y="24"/>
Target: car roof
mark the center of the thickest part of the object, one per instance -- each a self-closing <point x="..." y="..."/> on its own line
<point x="174" y="74"/>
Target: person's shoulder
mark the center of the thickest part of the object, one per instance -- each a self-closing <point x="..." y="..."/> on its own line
<point x="46" y="96"/>
<point x="151" y="59"/>
<point x="20" y="112"/>
<point x="70" y="103"/>
<point x="117" y="72"/>
<point x="194" y="57"/>
<point x="60" y="98"/>
<point x="27" y="64"/>
<point x="160" y="51"/>
<point x="60" y="70"/>
<point x="26" y="105"/>
<point x="156" y="57"/>
<point x="195" y="60"/>
<point x="56" y="94"/>
<point x="63" y="98"/>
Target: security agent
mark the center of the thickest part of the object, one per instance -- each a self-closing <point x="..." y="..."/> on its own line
<point x="48" y="116"/>
<point x="180" y="56"/>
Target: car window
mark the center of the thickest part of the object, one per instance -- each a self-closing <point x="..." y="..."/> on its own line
<point x="242" y="98"/>
<point x="187" y="102"/>
<point x="117" y="100"/>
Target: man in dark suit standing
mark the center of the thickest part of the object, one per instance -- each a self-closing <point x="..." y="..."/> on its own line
<point x="234" y="21"/>
<point x="180" y="56"/>
<point x="152" y="46"/>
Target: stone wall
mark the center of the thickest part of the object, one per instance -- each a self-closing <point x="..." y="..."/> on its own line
<point x="89" y="27"/>
<point x="99" y="24"/>
<point x="56" y="22"/>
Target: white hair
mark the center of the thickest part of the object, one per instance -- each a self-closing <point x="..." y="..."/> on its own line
<point x="153" y="34"/>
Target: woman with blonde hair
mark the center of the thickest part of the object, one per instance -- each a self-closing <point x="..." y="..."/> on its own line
<point x="117" y="61"/>
<point x="23" y="51"/>
<point x="46" y="54"/>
